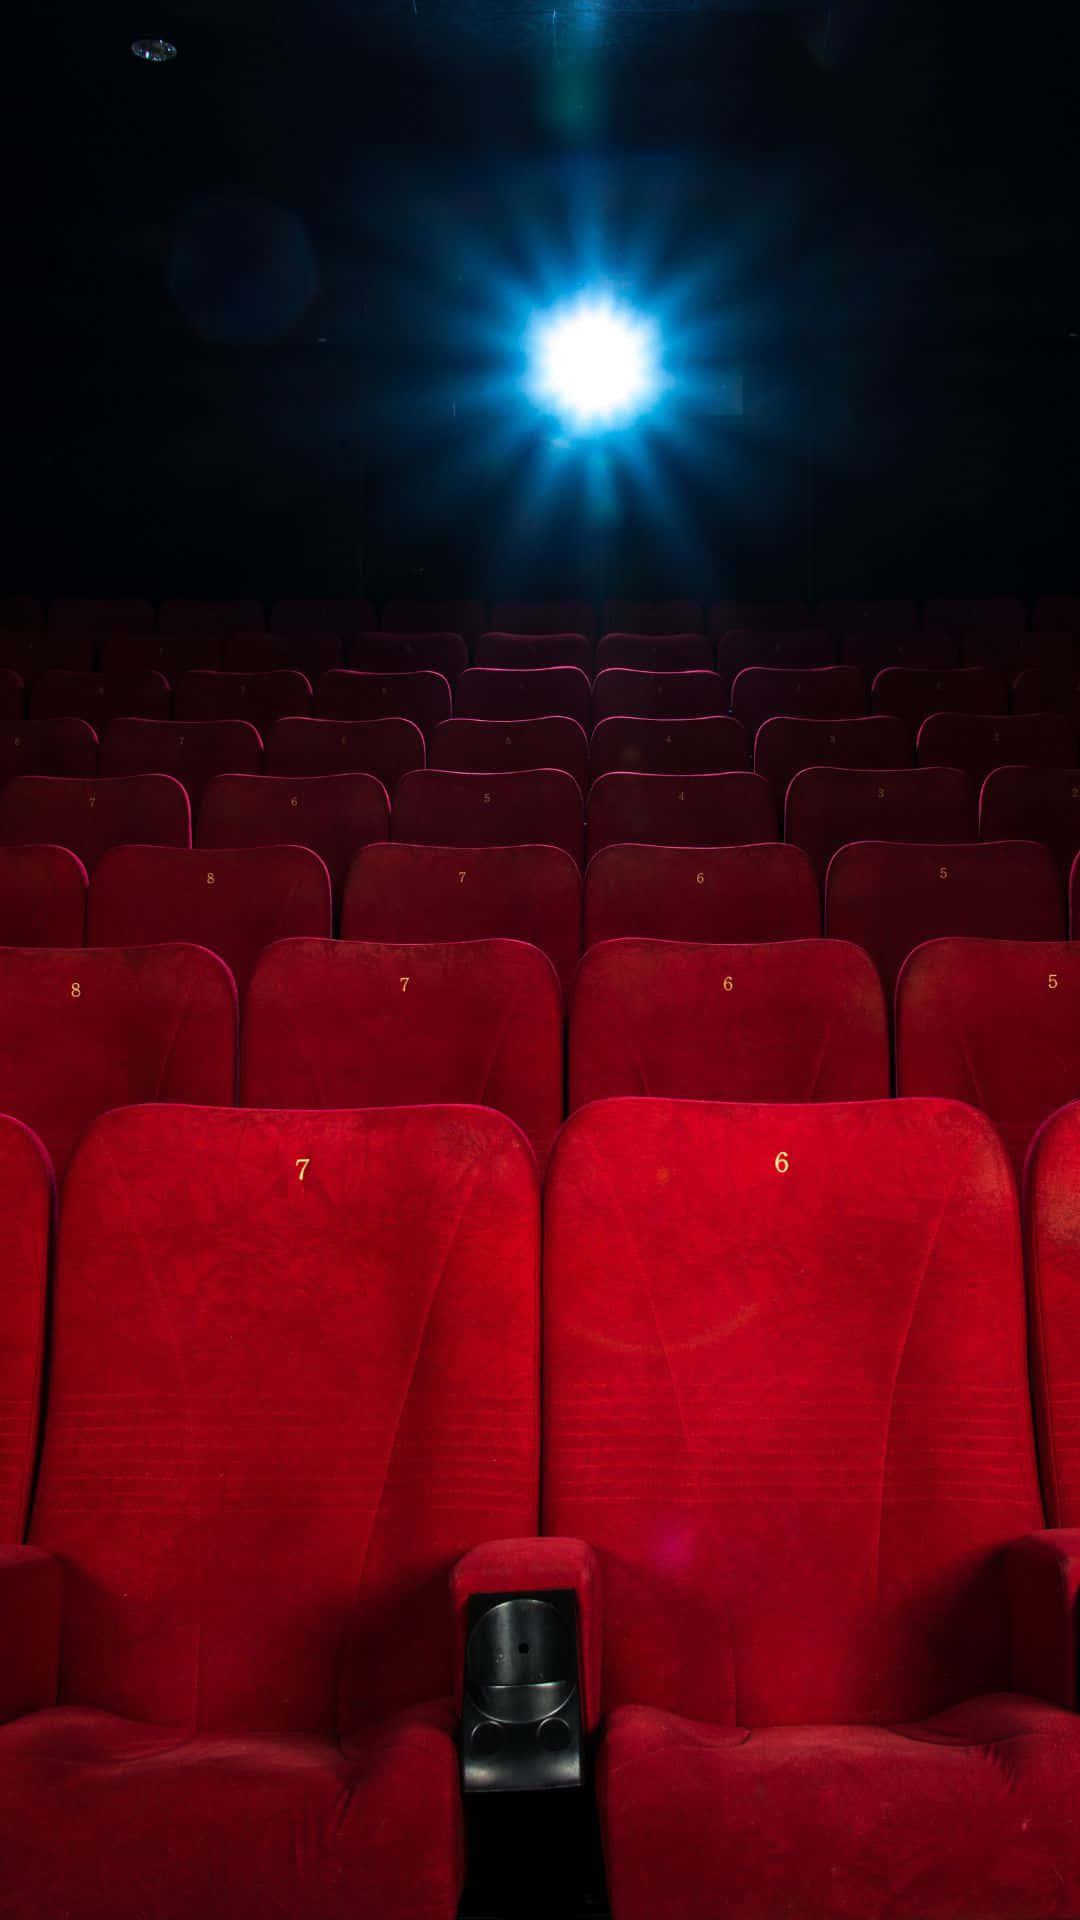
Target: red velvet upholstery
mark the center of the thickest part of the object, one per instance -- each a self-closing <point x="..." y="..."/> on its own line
<point x="88" y="816"/>
<point x="172" y="654"/>
<point x="192" y="751"/>
<point x="867" y="616"/>
<point x="626" y="744"/>
<point x="31" y="1586"/>
<point x="962" y="616"/>
<point x="658" y="696"/>
<point x="680" y="810"/>
<point x="979" y="742"/>
<point x="807" y="1635"/>
<point x="652" y="616"/>
<point x="1057" y="613"/>
<point x="98" y="698"/>
<point x="234" y="901"/>
<point x="311" y="654"/>
<point x="1038" y="691"/>
<point x="541" y="808"/>
<point x="751" y="647"/>
<point x="385" y="749"/>
<point x="220" y="617"/>
<point x="68" y="749"/>
<point x="529" y="693"/>
<point x="815" y="693"/>
<point x="1034" y="803"/>
<point x="301" y="1387"/>
<point x="444" y="653"/>
<point x="536" y="1565"/>
<point x="12" y="698"/>
<point x="762" y="616"/>
<point x="42" y="897"/>
<point x="539" y="649"/>
<point x="786" y="744"/>
<point x="1051" y="1185"/>
<point x="75" y="615"/>
<point x="261" y="698"/>
<point x="30" y="652"/>
<point x="995" y="1023"/>
<point x="932" y="648"/>
<point x="333" y="813"/>
<point x="26" y="1197"/>
<point x="916" y="692"/>
<point x="544" y="616"/>
<point x="890" y="897"/>
<point x="84" y="1031"/>
<point x="827" y="807"/>
<point x="321" y="616"/>
<point x="422" y="697"/>
<point x="751" y="893"/>
<point x="342" y="1023"/>
<point x="1043" y="1575"/>
<point x="423" y="616"/>
<point x="20" y="610"/>
<point x="405" y="893"/>
<point x="655" y="653"/>
<point x="1011" y="653"/>
<point x="511" y="746"/>
<point x="793" y="1020"/>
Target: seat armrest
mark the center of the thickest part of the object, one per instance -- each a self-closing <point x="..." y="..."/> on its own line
<point x="1043" y="1580"/>
<point x="30" y="1602"/>
<point x="534" y="1566"/>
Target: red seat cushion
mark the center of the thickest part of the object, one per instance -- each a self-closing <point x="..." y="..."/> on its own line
<point x="422" y="697"/>
<point x="661" y="696"/>
<point x="540" y="807"/>
<point x="385" y="749"/>
<point x="524" y="693"/>
<point x="763" y="892"/>
<point x="655" y="652"/>
<point x="680" y="810"/>
<point x="629" y="744"/>
<point x="511" y="746"/>
<point x="27" y="1200"/>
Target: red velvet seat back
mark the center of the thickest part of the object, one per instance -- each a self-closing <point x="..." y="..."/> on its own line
<point x="535" y="649"/>
<point x="32" y="651"/>
<point x="42" y="897"/>
<point x="786" y="744"/>
<point x="1034" y="803"/>
<point x="995" y="1023"/>
<point x="12" y="698"/>
<point x="751" y="647"/>
<point x="311" y="654"/>
<point x="680" y="810"/>
<point x="627" y="744"/>
<point x="26" y="1198"/>
<point x="765" y="892"/>
<point x="915" y="692"/>
<point x="220" y="617"/>
<point x="341" y="1023"/>
<point x="815" y="693"/>
<point x="660" y="696"/>
<point x="385" y="749"/>
<point x="652" y="616"/>
<point x="412" y="893"/>
<point x="432" y="616"/>
<point x="979" y="742"/>
<point x="544" y="616"/>
<point x="98" y="698"/>
<point x="655" y="653"/>
<point x="321" y="616"/>
<point x="422" y="697"/>
<point x="67" y="749"/>
<point x="960" y="615"/>
<point x="261" y="698"/>
<point x="759" y="616"/>
<point x="786" y="1400"/>
<point x="511" y="746"/>
<point x="867" y="616"/>
<point x="334" y="814"/>
<point x="442" y="809"/>
<point x="82" y="1031"/>
<point x="192" y="751"/>
<point x="1037" y="690"/>
<point x="172" y="654"/>
<point x="234" y="901"/>
<point x="527" y="693"/>
<point x="1011" y="653"/>
<point x="89" y="816"/>
<point x="793" y="1020"/>
<point x="126" y="615"/>
<point x="298" y="1366"/>
<point x="872" y="652"/>
<point x="444" y="653"/>
<point x="827" y="807"/>
<point x="1051" y="1184"/>
<point x="890" y="897"/>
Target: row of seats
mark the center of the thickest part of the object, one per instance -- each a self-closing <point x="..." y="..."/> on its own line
<point x="781" y="1456"/>
<point x="331" y="1023"/>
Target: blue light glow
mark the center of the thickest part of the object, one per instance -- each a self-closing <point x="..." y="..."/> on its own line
<point x="593" y="364"/>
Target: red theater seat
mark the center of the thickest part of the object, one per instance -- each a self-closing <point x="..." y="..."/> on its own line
<point x="311" y="654"/>
<point x="932" y="650"/>
<point x="816" y="693"/>
<point x="765" y="892"/>
<point x="517" y="650"/>
<point x="979" y="742"/>
<point x="891" y="896"/>
<point x="794" y="1020"/>
<point x="234" y="901"/>
<point x="436" y="808"/>
<point x="1051" y="1184"/>
<point x="42" y="898"/>
<point x="21" y="611"/>
<point x="655" y="653"/>
<point x="501" y="693"/>
<point x="88" y="816"/>
<point x="260" y="698"/>
<point x="98" y="698"/>
<point x="652" y="616"/>
<point x="511" y="746"/>
<point x="31" y="653"/>
<point x="1012" y="653"/>
<point x="321" y="616"/>
<point x="747" y="647"/>
<point x="966" y="616"/>
<point x="383" y="653"/>
<point x="544" y="616"/>
<point x="433" y="616"/>
<point x="807" y="1659"/>
<point x="298" y="1333"/>
<point x="867" y="616"/>
<point x="386" y="749"/>
<point x="763" y="616"/>
<point x="680" y="810"/>
<point x="341" y="1023"/>
<point x="73" y="615"/>
<point x="220" y="617"/>
<point x="828" y="807"/>
<point x="172" y="654"/>
<point x="626" y="744"/>
<point x="409" y="893"/>
<point x="192" y="751"/>
<point x="657" y="696"/>
<point x="82" y="1031"/>
<point x="785" y="745"/>
<point x="422" y="697"/>
<point x="334" y="814"/>
<point x="995" y="1023"/>
<point x="66" y="748"/>
<point x="26" y="1197"/>
<point x="914" y="693"/>
<point x="12" y="698"/>
<point x="1054" y="613"/>
<point x="1037" y="691"/>
<point x="1034" y="803"/>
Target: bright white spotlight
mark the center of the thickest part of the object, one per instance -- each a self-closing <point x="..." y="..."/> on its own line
<point x="593" y="364"/>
